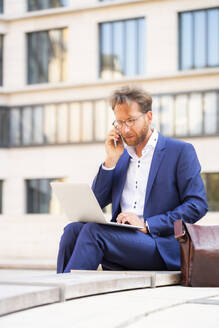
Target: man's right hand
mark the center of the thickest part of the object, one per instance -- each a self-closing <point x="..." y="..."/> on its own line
<point x="114" y="148"/>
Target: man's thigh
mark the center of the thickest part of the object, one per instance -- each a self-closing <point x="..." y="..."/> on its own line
<point x="129" y="248"/>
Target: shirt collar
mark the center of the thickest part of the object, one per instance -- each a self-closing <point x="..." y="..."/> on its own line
<point x="151" y="144"/>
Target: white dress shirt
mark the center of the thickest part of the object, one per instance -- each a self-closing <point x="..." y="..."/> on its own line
<point x="133" y="196"/>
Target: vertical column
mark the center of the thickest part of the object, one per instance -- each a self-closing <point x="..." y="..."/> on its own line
<point x="14" y="196"/>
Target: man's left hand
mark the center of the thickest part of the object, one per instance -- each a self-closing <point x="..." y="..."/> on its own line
<point x="133" y="219"/>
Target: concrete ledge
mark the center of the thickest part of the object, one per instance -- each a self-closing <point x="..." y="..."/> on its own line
<point x="20" y="297"/>
<point x="35" y="291"/>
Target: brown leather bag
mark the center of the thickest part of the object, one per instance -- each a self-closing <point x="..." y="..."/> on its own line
<point x="199" y="247"/>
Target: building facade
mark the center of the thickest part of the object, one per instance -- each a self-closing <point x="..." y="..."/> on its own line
<point x="59" y="62"/>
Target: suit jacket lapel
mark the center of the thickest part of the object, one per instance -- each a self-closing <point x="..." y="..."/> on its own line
<point x="155" y="163"/>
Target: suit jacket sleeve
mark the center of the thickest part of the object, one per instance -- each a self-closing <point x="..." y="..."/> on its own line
<point x="193" y="204"/>
<point x="102" y="186"/>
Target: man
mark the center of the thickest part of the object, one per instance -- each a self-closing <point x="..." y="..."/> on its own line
<point x="151" y="181"/>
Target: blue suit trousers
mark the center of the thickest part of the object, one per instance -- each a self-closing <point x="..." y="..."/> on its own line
<point x="83" y="246"/>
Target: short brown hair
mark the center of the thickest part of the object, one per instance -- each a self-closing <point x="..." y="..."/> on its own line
<point x="127" y="94"/>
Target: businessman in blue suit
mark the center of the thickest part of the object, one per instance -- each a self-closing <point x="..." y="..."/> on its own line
<point x="151" y="181"/>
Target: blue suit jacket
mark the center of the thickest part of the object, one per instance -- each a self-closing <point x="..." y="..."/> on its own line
<point x="174" y="191"/>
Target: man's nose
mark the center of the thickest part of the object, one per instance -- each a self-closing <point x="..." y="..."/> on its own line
<point x="125" y="128"/>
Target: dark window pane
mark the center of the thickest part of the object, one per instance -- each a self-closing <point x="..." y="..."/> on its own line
<point x="45" y="4"/>
<point x="181" y="123"/>
<point x="50" y="124"/>
<point x="122" y="48"/>
<point x="195" y="114"/>
<point x="38" y="195"/>
<point x="1" y="6"/>
<point x="15" y="127"/>
<point x="212" y="185"/>
<point x="213" y="37"/>
<point x="1" y="196"/>
<point x="37" y="125"/>
<point x="4" y="117"/>
<point x="27" y="126"/>
<point x="141" y="46"/>
<point x="47" y="56"/>
<point x="106" y="50"/>
<point x="210" y="113"/>
<point x="186" y="41"/>
<point x="118" y="49"/>
<point x="131" y="48"/>
<point x="200" y="39"/>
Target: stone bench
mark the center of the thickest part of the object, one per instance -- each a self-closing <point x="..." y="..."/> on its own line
<point x="24" y="293"/>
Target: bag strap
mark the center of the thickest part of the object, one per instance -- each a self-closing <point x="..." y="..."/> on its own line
<point x="179" y="231"/>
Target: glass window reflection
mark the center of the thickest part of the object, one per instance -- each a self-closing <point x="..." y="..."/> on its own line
<point x="50" y="124"/>
<point x="166" y="115"/>
<point x="156" y="112"/>
<point x="100" y="120"/>
<point x="212" y="190"/>
<point x="181" y="116"/>
<point x="213" y="37"/>
<point x="210" y="113"/>
<point x="45" y="4"/>
<point x="118" y="49"/>
<point x="195" y="114"/>
<point x="47" y="56"/>
<point x="199" y="39"/>
<point x="62" y="123"/>
<point x="27" y="126"/>
<point x="15" y="126"/>
<point x="38" y="122"/>
<point x="186" y="39"/>
<point x="122" y="48"/>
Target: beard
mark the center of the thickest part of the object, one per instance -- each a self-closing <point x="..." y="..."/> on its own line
<point x="134" y="138"/>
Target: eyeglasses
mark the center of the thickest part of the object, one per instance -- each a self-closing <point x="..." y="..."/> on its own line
<point x="129" y="123"/>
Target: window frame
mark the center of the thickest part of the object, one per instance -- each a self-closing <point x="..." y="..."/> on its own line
<point x="60" y="58"/>
<point x="111" y="22"/>
<point x="28" y="6"/>
<point x="180" y="68"/>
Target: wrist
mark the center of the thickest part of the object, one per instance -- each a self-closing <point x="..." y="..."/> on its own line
<point x="110" y="162"/>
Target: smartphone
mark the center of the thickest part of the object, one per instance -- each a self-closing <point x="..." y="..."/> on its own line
<point x="115" y="142"/>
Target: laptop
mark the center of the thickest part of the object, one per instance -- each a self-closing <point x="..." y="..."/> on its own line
<point x="80" y="204"/>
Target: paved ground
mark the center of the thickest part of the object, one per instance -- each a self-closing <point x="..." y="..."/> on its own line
<point x="173" y="306"/>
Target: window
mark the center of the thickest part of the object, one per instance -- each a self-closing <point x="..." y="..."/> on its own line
<point x="4" y="123"/>
<point x="1" y="6"/>
<point x="38" y="193"/>
<point x="199" y="39"/>
<point x="122" y="48"/>
<point x="176" y="115"/>
<point x="211" y="181"/>
<point x="184" y="115"/>
<point x="47" y="56"/>
<point x="1" y="183"/>
<point x="45" y="4"/>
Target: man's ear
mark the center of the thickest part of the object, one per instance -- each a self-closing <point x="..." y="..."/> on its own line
<point x="149" y="115"/>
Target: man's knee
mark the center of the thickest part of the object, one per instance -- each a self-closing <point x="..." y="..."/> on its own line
<point x="91" y="227"/>
<point x="71" y="231"/>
